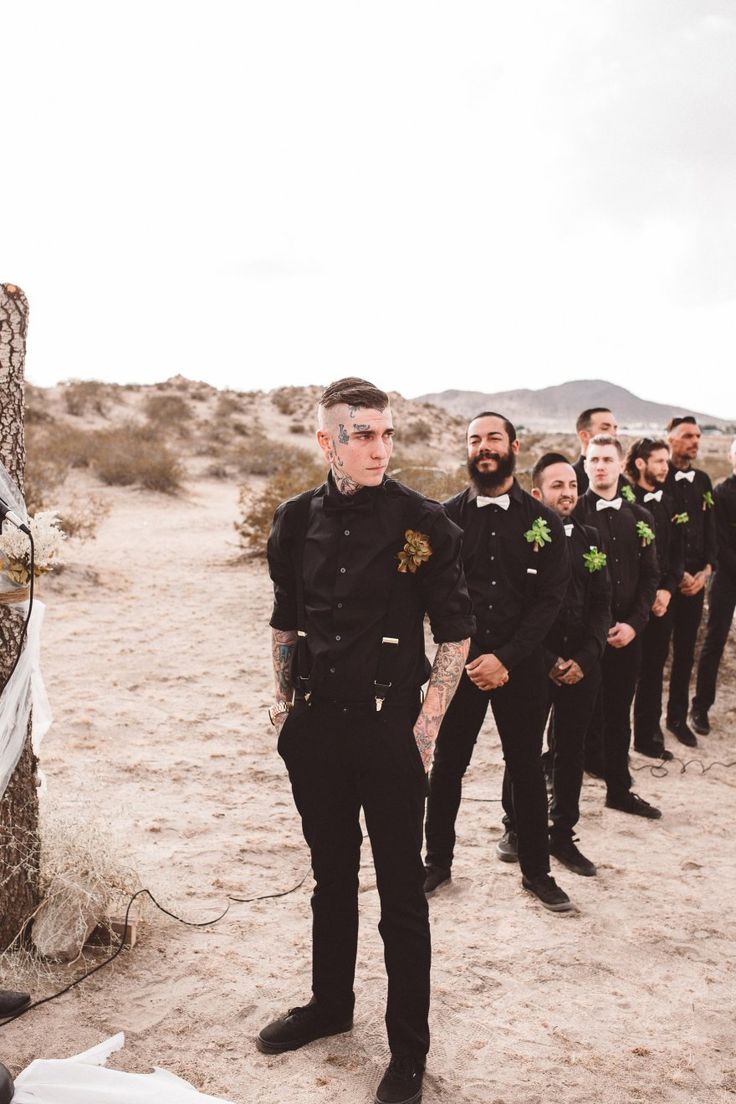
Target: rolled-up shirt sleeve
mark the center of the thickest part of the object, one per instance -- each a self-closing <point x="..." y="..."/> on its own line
<point x="442" y="582"/>
<point x="279" y="551"/>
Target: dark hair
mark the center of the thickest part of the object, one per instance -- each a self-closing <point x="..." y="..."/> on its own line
<point x="607" y="439"/>
<point x="641" y="449"/>
<point x="508" y="426"/>
<point x="545" y="462"/>
<point x="585" y="419"/>
<point x="674" y="422"/>
<point x="354" y="392"/>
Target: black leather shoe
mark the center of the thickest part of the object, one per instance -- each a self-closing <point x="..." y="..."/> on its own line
<point x="401" y="1083"/>
<point x="565" y="851"/>
<point x="699" y="721"/>
<point x="683" y="732"/>
<point x="11" y="1002"/>
<point x="507" y="848"/>
<point x="546" y="889"/>
<point x="653" y="750"/>
<point x="7" y="1088"/>
<point x="434" y="877"/>
<point x="632" y="803"/>
<point x="300" y="1026"/>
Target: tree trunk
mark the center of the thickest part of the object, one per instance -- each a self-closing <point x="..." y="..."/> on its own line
<point x="19" y="844"/>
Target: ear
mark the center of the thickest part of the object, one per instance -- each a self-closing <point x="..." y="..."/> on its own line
<point x="536" y="493"/>
<point x="515" y="446"/>
<point x="324" y="440"/>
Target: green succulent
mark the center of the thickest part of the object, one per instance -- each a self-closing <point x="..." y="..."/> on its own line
<point x="594" y="560"/>
<point x="646" y="534"/>
<point x="539" y="534"/>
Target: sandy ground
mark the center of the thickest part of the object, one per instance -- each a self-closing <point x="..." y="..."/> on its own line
<point x="156" y="659"/>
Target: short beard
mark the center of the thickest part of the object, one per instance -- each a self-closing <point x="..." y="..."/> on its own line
<point x="487" y="482"/>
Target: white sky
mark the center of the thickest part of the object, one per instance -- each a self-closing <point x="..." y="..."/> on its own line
<point x="477" y="195"/>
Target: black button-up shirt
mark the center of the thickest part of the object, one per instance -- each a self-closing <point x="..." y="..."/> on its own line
<point x="581" y="627"/>
<point x="632" y="565"/>
<point x="516" y="592"/>
<point x="670" y="543"/>
<point x="351" y="578"/>
<point x="724" y="497"/>
<point x="699" y="532"/>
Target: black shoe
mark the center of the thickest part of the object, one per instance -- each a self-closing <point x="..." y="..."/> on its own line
<point x="401" y="1083"/>
<point x="699" y="721"/>
<point x="300" y="1026"/>
<point x="546" y="889"/>
<point x="7" y="1088"/>
<point x="434" y="877"/>
<point x="507" y="848"/>
<point x="653" y="750"/>
<point x="632" y="803"/>
<point x="565" y="851"/>
<point x="11" y="1001"/>
<point x="683" y="732"/>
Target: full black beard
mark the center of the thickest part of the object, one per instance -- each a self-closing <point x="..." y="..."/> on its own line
<point x="487" y="482"/>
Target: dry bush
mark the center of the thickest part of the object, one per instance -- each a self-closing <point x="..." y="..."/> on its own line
<point x="433" y="482"/>
<point x="416" y="431"/>
<point x="227" y="405"/>
<point x="35" y="412"/>
<point x="81" y="395"/>
<point x="169" y="411"/>
<point x="286" y="399"/>
<point x="259" y="455"/>
<point x="127" y="455"/>
<point x="257" y="507"/>
<point x="82" y="518"/>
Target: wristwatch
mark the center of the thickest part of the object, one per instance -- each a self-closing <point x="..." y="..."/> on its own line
<point x="278" y="710"/>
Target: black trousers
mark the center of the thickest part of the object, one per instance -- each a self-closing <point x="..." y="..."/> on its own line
<point x="341" y="757"/>
<point x="619" y="670"/>
<point x="572" y="709"/>
<point x="721" y="606"/>
<point x="686" y="615"/>
<point x="519" y="709"/>
<point x="655" y="644"/>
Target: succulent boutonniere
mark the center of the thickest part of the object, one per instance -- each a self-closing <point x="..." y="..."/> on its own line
<point x="627" y="492"/>
<point x="416" y="550"/>
<point x="539" y="534"/>
<point x="708" y="502"/>
<point x="644" y="531"/>
<point x="681" y="519"/>
<point x="594" y="560"/>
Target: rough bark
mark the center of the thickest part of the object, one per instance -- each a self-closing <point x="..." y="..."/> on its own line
<point x="19" y="846"/>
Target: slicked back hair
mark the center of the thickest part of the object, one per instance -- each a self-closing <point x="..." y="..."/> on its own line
<point x="687" y="419"/>
<point x="507" y="425"/>
<point x="607" y="439"/>
<point x="353" y="391"/>
<point x="586" y="418"/>
<point x="545" y="462"/>
<point x="641" y="449"/>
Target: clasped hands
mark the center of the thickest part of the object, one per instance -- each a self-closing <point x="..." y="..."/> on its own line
<point x="690" y="585"/>
<point x="566" y="672"/>
<point x="487" y="672"/>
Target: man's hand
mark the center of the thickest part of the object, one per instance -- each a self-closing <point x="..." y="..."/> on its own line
<point x="487" y="672"/>
<point x="446" y="671"/>
<point x="696" y="584"/>
<point x="685" y="582"/>
<point x="568" y="672"/>
<point x="620" y="635"/>
<point x="661" y="603"/>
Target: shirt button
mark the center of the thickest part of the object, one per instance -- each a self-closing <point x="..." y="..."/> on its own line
<point x="493" y="582"/>
<point x="345" y="709"/>
<point x="332" y="670"/>
<point x="342" y="570"/>
<point x="490" y="607"/>
<point x="493" y="534"/>
<point x="339" y="605"/>
<point x="338" y="637"/>
<point x="493" y="557"/>
<point x="347" y="532"/>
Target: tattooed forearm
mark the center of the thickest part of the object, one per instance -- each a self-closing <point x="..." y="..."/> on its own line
<point x="283" y="643"/>
<point x="446" y="672"/>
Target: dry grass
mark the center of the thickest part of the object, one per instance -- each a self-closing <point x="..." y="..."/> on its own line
<point x="257" y="507"/>
<point x="83" y="396"/>
<point x="126" y="455"/>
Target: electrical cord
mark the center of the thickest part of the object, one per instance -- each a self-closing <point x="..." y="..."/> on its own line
<point x="659" y="770"/>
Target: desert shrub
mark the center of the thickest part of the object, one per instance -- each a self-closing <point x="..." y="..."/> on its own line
<point x="257" y="507"/>
<point x="170" y="411"/>
<point x="83" y="395"/>
<point x="412" y="432"/>
<point x="297" y="427"/>
<point x="126" y="455"/>
<point x="434" y="482"/>
<point x="35" y="412"/>
<point x="82" y="518"/>
<point x="217" y="470"/>
<point x="285" y="399"/>
<point x="227" y="405"/>
<point x="69" y="445"/>
<point x="259" y="455"/>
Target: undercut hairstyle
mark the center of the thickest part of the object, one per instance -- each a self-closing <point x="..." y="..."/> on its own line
<point x="507" y="425"/>
<point x="641" y="449"/>
<point x="545" y="462"/>
<point x="585" y="419"/>
<point x="352" y="391"/>
<point x="607" y="439"/>
<point x="732" y="450"/>
<point x="673" y="423"/>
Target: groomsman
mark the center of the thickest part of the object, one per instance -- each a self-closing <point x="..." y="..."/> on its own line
<point x="692" y="492"/>
<point x="516" y="566"/>
<point x="627" y="538"/>
<point x="721" y="599"/>
<point x="573" y="650"/>
<point x="590" y="423"/>
<point x="647" y="464"/>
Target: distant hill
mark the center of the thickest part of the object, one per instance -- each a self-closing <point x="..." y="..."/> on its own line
<point x="556" y="408"/>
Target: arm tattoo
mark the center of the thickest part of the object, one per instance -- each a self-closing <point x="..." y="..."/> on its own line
<point x="283" y="643"/>
<point x="446" y="671"/>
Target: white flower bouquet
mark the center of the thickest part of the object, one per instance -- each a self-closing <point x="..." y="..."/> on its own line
<point x="15" y="548"/>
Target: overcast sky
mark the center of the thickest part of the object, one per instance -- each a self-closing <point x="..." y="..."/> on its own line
<point x="431" y="194"/>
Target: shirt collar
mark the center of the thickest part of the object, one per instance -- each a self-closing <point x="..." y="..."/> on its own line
<point x="362" y="500"/>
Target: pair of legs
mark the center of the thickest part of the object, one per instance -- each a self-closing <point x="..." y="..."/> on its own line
<point x="686" y="616"/>
<point x="572" y="709"/>
<point x="721" y="606"/>
<point x="519" y="709"/>
<point x="342" y="757"/>
<point x="648" y="701"/>
<point x="619" y="670"/>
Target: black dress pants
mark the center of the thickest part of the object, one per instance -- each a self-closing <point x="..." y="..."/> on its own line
<point x="341" y="757"/>
<point x="519" y="709"/>
<point x="686" y="615"/>
<point x="655" y="644"/>
<point x="619" y="670"/>
<point x="572" y="709"/>
<point x="721" y="606"/>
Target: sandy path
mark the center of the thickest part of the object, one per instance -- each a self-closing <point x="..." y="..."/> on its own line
<point x="156" y="661"/>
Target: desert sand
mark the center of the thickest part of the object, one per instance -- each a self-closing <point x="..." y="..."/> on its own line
<point x="157" y="665"/>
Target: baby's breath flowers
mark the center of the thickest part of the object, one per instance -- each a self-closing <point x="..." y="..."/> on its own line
<point x="15" y="548"/>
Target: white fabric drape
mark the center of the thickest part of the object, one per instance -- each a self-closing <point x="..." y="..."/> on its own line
<point x="24" y="690"/>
